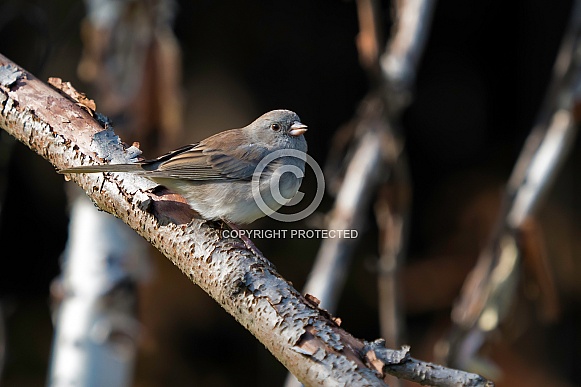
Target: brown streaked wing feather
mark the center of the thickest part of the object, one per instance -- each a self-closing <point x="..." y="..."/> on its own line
<point x="232" y="154"/>
<point x="224" y="156"/>
<point x="191" y="164"/>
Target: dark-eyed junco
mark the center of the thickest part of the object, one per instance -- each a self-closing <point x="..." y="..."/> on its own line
<point x="216" y="175"/>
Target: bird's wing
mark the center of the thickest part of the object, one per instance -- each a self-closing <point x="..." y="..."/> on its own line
<point x="234" y="160"/>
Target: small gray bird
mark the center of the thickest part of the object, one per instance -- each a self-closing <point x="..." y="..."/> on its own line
<point x="215" y="175"/>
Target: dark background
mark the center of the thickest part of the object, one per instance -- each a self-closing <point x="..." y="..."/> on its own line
<point x="480" y="84"/>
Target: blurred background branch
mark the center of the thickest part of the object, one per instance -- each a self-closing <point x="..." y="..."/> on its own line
<point x="488" y="294"/>
<point x="374" y="149"/>
<point x="370" y="151"/>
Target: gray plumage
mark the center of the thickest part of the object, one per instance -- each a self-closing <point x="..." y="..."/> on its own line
<point x="215" y="175"/>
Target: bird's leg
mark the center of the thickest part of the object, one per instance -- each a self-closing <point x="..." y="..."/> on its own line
<point x="249" y="244"/>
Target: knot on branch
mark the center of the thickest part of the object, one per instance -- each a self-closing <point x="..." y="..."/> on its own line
<point x="377" y="356"/>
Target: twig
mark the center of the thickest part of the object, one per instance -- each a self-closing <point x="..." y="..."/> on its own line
<point x="399" y="363"/>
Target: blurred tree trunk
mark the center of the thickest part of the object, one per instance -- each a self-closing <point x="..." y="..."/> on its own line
<point x="131" y="58"/>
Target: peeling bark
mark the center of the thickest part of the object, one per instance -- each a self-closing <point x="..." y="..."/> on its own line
<point x="262" y="301"/>
<point x="304" y="338"/>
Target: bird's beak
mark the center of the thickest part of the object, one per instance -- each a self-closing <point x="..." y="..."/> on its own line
<point x="297" y="129"/>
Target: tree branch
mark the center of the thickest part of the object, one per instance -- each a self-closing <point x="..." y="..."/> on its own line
<point x="299" y="334"/>
<point x="303" y="337"/>
<point x="400" y="363"/>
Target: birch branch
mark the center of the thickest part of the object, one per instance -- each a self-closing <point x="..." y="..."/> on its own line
<point x="299" y="334"/>
<point x="303" y="337"/>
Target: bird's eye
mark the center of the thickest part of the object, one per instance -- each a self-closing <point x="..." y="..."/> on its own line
<point x="275" y="127"/>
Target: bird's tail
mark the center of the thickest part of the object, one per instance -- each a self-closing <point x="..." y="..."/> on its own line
<point x="103" y="168"/>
